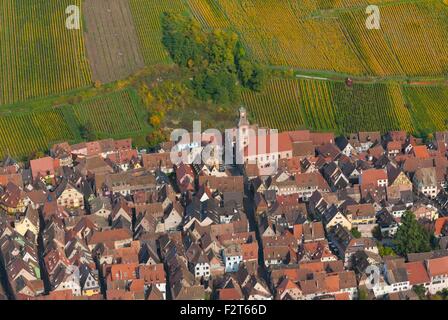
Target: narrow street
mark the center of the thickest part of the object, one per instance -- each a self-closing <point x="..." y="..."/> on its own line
<point x="249" y="207"/>
<point x="4" y="280"/>
<point x="41" y="252"/>
<point x="101" y="279"/>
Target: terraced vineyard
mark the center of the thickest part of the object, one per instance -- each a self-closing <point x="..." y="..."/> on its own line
<point x="326" y="105"/>
<point x="39" y="56"/>
<point x="428" y="106"/>
<point x="310" y="35"/>
<point x="209" y="14"/>
<point x="147" y="18"/>
<point x="278" y="37"/>
<point x="278" y="101"/>
<point x="23" y="133"/>
<point x="305" y="8"/>
<point x="119" y="113"/>
<point x="402" y="45"/>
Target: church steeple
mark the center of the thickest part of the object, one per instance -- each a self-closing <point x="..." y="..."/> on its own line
<point x="243" y="118"/>
<point x="243" y="126"/>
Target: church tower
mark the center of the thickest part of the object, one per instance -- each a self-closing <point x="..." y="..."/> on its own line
<point x="243" y="126"/>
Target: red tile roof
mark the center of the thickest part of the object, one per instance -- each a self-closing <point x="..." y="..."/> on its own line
<point x="298" y="231"/>
<point x="300" y="135"/>
<point x="43" y="166"/>
<point x="123" y="156"/>
<point x="250" y="251"/>
<point x="124" y="144"/>
<point x="342" y="296"/>
<point x="313" y="266"/>
<point x="286" y="284"/>
<point x="321" y="138"/>
<point x="137" y="285"/>
<point x="393" y="146"/>
<point x="265" y="144"/>
<point x="332" y="283"/>
<point x="438" y="225"/>
<point x="314" y="179"/>
<point x="153" y="274"/>
<point x="229" y="294"/>
<point x="421" y="152"/>
<point x="123" y="271"/>
<point x="110" y="236"/>
<point x="361" y="210"/>
<point x="371" y="176"/>
<point x="437" y="266"/>
<point x="417" y="273"/>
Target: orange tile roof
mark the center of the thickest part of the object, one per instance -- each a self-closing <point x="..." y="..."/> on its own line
<point x="321" y="138"/>
<point x="314" y="266"/>
<point x="42" y="166"/>
<point x="332" y="283"/>
<point x="342" y="296"/>
<point x="123" y="156"/>
<point x="153" y="274"/>
<point x="417" y="273"/>
<point x="110" y="235"/>
<point x="250" y="251"/>
<point x="361" y="210"/>
<point x="263" y="143"/>
<point x="437" y="266"/>
<point x="137" y="285"/>
<point x="292" y="274"/>
<point x="298" y="231"/>
<point x="394" y="145"/>
<point x="286" y="284"/>
<point x="123" y="271"/>
<point x="314" y="179"/>
<point x="229" y="294"/>
<point x="123" y="144"/>
<point x="299" y="135"/>
<point x="371" y="176"/>
<point x="421" y="152"/>
<point x="116" y="294"/>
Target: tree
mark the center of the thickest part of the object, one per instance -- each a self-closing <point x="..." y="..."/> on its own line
<point x="97" y="84"/>
<point x="411" y="237"/>
<point x="87" y="132"/>
<point x="444" y="293"/>
<point x="251" y="75"/>
<point x="155" y="121"/>
<point x="184" y="39"/>
<point x="216" y="59"/>
<point x="385" y="251"/>
<point x="362" y="294"/>
<point x="376" y="232"/>
<point x="420" y="291"/>
<point x="355" y="233"/>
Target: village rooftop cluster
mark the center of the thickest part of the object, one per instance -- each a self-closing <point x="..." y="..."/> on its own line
<point x="102" y="220"/>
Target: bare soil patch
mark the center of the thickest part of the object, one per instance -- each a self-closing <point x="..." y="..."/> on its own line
<point x="111" y="39"/>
